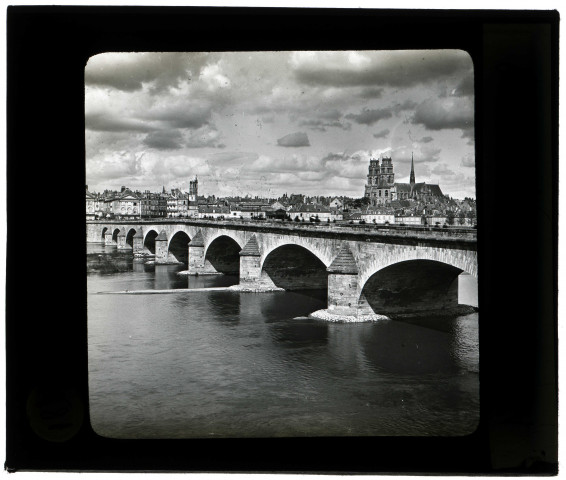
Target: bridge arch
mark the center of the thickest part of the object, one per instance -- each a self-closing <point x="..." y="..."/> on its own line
<point x="149" y="241"/>
<point x="465" y="260"/>
<point x="115" y="234"/>
<point x="294" y="267"/>
<point x="178" y="248"/>
<point x="102" y="235"/>
<point x="324" y="251"/>
<point x="410" y="286"/>
<point x="223" y="253"/>
<point x="130" y="237"/>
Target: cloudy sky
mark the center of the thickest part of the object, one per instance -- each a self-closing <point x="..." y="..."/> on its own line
<point x="266" y="123"/>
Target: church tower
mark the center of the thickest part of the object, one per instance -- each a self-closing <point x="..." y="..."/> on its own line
<point x="193" y="190"/>
<point x="412" y="176"/>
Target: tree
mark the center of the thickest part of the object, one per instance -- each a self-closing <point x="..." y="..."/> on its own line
<point x="361" y="202"/>
<point x="450" y="217"/>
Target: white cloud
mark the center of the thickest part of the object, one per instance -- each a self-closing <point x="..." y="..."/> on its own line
<point x="228" y="116"/>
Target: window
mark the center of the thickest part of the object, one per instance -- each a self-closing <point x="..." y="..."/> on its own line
<point x="386" y="193"/>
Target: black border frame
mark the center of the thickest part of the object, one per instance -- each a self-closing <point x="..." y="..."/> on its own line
<point x="515" y="57"/>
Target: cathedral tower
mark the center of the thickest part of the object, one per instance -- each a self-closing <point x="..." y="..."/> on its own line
<point x="412" y="177"/>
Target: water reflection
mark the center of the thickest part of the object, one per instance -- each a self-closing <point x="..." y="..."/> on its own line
<point x="108" y="260"/>
<point x="298" y="333"/>
<point x="139" y="265"/>
<point x="224" y="306"/>
<point x="401" y="348"/>
<point x="166" y="277"/>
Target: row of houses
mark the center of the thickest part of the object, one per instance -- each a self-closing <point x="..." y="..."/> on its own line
<point x="131" y="205"/>
<point x="128" y="204"/>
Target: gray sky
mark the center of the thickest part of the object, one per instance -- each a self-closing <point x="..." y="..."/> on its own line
<point x="266" y="123"/>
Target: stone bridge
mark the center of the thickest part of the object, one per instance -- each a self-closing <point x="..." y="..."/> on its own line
<point x="365" y="270"/>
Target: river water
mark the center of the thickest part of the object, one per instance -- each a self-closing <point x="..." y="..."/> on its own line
<point x="227" y="364"/>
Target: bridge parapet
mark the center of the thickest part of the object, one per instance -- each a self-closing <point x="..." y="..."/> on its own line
<point x="374" y="233"/>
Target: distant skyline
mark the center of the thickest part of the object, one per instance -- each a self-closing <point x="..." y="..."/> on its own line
<point x="268" y="123"/>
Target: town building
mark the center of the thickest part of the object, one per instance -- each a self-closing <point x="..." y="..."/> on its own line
<point x="153" y="205"/>
<point x="336" y="203"/>
<point x="378" y="216"/>
<point x="308" y="212"/>
<point x="177" y="204"/>
<point x="213" y="212"/>
<point x="91" y="205"/>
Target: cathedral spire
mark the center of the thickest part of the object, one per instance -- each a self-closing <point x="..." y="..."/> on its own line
<point x="412" y="177"/>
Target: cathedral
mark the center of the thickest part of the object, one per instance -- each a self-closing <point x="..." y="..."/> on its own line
<point x="382" y="189"/>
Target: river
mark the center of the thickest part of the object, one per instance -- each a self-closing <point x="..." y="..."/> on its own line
<point x="227" y="364"/>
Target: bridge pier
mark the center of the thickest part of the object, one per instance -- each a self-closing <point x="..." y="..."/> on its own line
<point x="198" y="265"/>
<point x="108" y="237"/>
<point x="122" y="240"/>
<point x="161" y="248"/>
<point x="343" y="283"/>
<point x="251" y="275"/>
<point x="138" y="242"/>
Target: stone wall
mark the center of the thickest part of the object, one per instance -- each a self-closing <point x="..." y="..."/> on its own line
<point x="342" y="291"/>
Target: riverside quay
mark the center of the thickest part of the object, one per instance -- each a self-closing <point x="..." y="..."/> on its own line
<point x="366" y="271"/>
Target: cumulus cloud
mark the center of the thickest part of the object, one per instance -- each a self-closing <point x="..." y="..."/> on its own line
<point x="108" y="123"/>
<point x="442" y="113"/>
<point x="403" y="106"/>
<point x="321" y="120"/>
<point x="179" y="166"/>
<point x="180" y="114"/>
<point x="381" y="133"/>
<point x="369" y="117"/>
<point x="297" y="139"/>
<point x="115" y="167"/>
<point x="419" y="154"/>
<point x="370" y="92"/>
<point x="469" y="133"/>
<point x="442" y="169"/>
<point x="322" y="125"/>
<point x="381" y="68"/>
<point x="468" y="160"/>
<point x="164" y="140"/>
<point x="206" y="136"/>
<point x="231" y="159"/>
<point x="130" y="71"/>
<point x="465" y="87"/>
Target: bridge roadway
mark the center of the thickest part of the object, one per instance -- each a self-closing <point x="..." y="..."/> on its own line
<point x="365" y="270"/>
